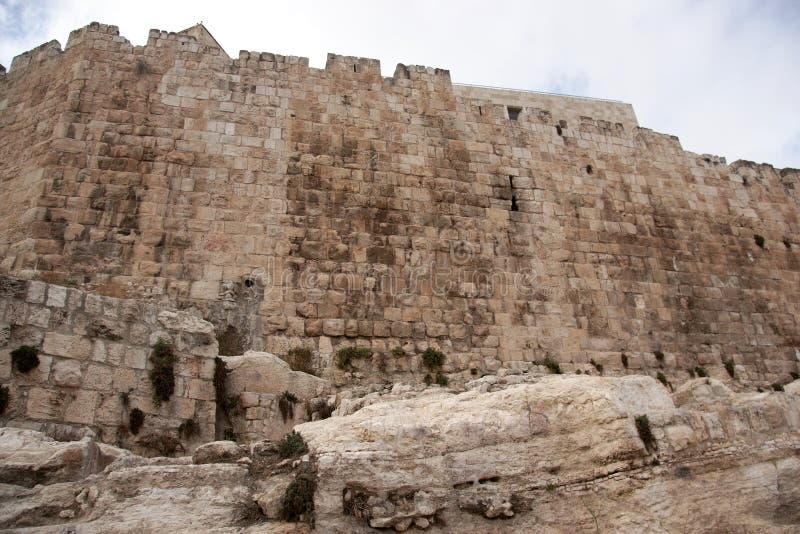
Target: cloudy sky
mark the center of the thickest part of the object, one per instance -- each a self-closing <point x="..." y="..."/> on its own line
<point x="723" y="75"/>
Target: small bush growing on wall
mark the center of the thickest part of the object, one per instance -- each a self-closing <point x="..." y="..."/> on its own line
<point x="730" y="368"/>
<point x="299" y="359"/>
<point x="189" y="428"/>
<point x="777" y="387"/>
<point x="624" y="358"/>
<point x="597" y="366"/>
<point x="643" y="428"/>
<point x="398" y="352"/>
<point x="25" y="358"/>
<point x="4" y="398"/>
<point x="135" y="420"/>
<point x="346" y="355"/>
<point x="433" y="359"/>
<point x="659" y="355"/>
<point x="552" y="366"/>
<point x="441" y="379"/>
<point x="759" y="239"/>
<point x="701" y="372"/>
<point x="162" y="375"/>
<point x="286" y="404"/>
<point x="663" y="379"/>
<point x="292" y="445"/>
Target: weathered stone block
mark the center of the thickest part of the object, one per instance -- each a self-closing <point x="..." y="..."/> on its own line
<point x="68" y="346"/>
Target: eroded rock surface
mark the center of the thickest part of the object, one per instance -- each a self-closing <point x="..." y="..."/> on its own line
<point x="563" y="453"/>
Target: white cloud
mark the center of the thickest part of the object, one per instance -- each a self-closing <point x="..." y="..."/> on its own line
<point x="721" y="74"/>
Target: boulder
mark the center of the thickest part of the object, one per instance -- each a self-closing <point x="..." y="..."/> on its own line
<point x="262" y="372"/>
<point x="218" y="452"/>
<point x="28" y="458"/>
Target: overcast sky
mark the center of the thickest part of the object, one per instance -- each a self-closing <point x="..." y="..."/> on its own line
<point x="723" y="75"/>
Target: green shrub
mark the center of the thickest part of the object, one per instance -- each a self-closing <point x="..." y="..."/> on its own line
<point x="659" y="355"/>
<point x="701" y="372"/>
<point x="646" y="435"/>
<point x="398" y="352"/>
<point x="730" y="368"/>
<point x="25" y="358"/>
<point x="135" y="420"/>
<point x="777" y="387"/>
<point x="663" y="379"/>
<point x="292" y="445"/>
<point x="299" y="359"/>
<point x="298" y="501"/>
<point x="441" y="379"/>
<point x="286" y="404"/>
<point x="597" y="366"/>
<point x="759" y="239"/>
<point x="4" y="398"/>
<point x="433" y="359"/>
<point x="125" y="398"/>
<point x="624" y="358"/>
<point x="346" y="355"/>
<point x="550" y="487"/>
<point x="787" y="243"/>
<point x="552" y="366"/>
<point x="795" y="375"/>
<point x="162" y="375"/>
<point x="188" y="429"/>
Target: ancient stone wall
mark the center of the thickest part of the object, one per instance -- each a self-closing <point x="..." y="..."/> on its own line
<point x="93" y="366"/>
<point x="333" y="207"/>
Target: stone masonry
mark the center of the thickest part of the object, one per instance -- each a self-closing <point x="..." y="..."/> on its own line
<point x="93" y="365"/>
<point x="293" y="206"/>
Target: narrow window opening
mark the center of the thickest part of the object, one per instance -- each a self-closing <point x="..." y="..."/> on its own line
<point x="558" y="130"/>
<point x="514" y="206"/>
<point x="589" y="169"/>
<point x="513" y="112"/>
<point x="480" y="111"/>
<point x="355" y="68"/>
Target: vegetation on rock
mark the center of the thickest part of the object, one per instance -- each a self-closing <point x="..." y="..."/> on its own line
<point x="346" y="355"/>
<point x="292" y="445"/>
<point x="25" y="358"/>
<point x="162" y="374"/>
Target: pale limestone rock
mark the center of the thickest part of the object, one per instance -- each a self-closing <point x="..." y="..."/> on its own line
<point x="270" y="500"/>
<point x="218" y="452"/>
<point x="66" y="373"/>
<point x="185" y="322"/>
<point x="28" y="457"/>
<point x="792" y="387"/>
<point x="262" y="372"/>
<point x="561" y="453"/>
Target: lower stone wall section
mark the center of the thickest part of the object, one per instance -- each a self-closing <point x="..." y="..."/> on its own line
<point x="94" y="363"/>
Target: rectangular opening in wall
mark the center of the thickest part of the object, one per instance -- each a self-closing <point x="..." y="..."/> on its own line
<point x="513" y="112"/>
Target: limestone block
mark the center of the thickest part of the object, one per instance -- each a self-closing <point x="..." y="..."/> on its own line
<point x="136" y="357"/>
<point x="333" y="327"/>
<point x="66" y="345"/>
<point x="80" y="407"/>
<point x="66" y="373"/>
<point x="56" y="296"/>
<point x="36" y="292"/>
<point x="98" y="377"/>
<point x="45" y="404"/>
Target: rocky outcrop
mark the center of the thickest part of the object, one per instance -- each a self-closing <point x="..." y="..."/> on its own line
<point x="271" y="397"/>
<point x="563" y="453"/>
<point x="89" y="487"/>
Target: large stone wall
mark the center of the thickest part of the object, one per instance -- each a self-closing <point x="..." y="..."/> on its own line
<point x="329" y="207"/>
<point x="93" y="366"/>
